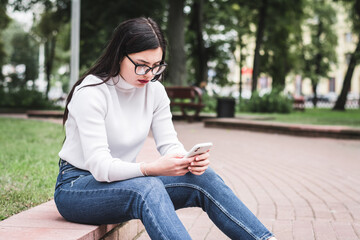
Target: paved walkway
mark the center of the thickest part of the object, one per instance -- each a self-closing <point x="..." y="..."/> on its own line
<point x="301" y="188"/>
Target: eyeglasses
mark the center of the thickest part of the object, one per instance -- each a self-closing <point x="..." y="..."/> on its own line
<point x="142" y="69"/>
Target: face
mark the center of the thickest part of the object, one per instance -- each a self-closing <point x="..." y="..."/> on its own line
<point x="151" y="58"/>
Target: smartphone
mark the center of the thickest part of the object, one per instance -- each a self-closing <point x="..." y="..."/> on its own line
<point x="198" y="149"/>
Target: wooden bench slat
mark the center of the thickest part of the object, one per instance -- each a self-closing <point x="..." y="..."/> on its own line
<point x="187" y="98"/>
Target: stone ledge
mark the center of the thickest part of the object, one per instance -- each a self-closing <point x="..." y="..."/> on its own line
<point x="45" y="113"/>
<point x="44" y="222"/>
<point x="339" y="132"/>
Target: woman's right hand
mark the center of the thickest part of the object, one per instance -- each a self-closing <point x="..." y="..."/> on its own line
<point x="167" y="165"/>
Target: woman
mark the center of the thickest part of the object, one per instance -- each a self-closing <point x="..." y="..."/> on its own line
<point x="108" y="116"/>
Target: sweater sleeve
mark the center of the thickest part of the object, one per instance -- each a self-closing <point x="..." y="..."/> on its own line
<point x="88" y="108"/>
<point x="163" y="128"/>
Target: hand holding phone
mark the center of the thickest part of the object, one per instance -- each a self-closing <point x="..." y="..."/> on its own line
<point x="198" y="149"/>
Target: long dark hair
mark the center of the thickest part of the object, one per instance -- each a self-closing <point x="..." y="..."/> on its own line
<point x="131" y="36"/>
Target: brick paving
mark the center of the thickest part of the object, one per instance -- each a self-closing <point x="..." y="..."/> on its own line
<point x="301" y="188"/>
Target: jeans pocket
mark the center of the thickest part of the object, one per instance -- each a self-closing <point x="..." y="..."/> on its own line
<point x="68" y="173"/>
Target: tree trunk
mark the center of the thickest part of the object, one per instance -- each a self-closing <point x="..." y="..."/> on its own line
<point x="341" y="101"/>
<point x="177" y="69"/>
<point x="318" y="59"/>
<point x="201" y="75"/>
<point x="49" y="62"/>
<point x="241" y="66"/>
<point x="315" y="98"/>
<point x="259" y="40"/>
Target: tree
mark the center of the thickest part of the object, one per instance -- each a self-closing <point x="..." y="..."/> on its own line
<point x="4" y="21"/>
<point x="97" y="26"/>
<point x="354" y="57"/>
<point x="199" y="50"/>
<point x="280" y="44"/>
<point x="263" y="8"/>
<point x="47" y="27"/>
<point x="319" y="54"/>
<point x="24" y="52"/>
<point x="175" y="31"/>
<point x="209" y="40"/>
<point x="241" y="18"/>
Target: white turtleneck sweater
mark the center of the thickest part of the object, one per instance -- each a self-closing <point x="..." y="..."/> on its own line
<point x="108" y="124"/>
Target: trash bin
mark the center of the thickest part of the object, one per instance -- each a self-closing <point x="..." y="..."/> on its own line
<point x="225" y="107"/>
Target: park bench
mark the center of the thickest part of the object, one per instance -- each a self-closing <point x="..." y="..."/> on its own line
<point x="187" y="98"/>
<point x="299" y="103"/>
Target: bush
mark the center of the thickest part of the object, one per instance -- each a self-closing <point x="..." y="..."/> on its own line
<point x="25" y="99"/>
<point x="210" y="103"/>
<point x="271" y="102"/>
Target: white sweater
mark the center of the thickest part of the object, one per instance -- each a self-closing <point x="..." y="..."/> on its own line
<point x="108" y="124"/>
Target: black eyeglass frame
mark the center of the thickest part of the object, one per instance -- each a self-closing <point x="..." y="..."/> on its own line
<point x="149" y="68"/>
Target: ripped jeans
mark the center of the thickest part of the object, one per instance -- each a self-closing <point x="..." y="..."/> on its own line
<point x="80" y="198"/>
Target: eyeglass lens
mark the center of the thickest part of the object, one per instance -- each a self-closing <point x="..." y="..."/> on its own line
<point x="143" y="69"/>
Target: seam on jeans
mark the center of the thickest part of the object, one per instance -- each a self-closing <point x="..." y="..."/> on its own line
<point x="68" y="169"/>
<point x="267" y="236"/>
<point x="215" y="202"/>
<point x="117" y="189"/>
<point x="152" y="216"/>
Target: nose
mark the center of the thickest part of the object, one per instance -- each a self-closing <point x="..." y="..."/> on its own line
<point x="149" y="74"/>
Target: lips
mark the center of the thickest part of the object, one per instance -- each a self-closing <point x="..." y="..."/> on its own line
<point x="143" y="81"/>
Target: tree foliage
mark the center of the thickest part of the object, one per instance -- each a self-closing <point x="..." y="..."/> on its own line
<point x="4" y="21"/>
<point x="99" y="19"/>
<point x="319" y="53"/>
<point x="280" y="45"/>
<point x="213" y="31"/>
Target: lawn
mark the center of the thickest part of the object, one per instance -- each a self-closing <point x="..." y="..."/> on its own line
<point x="350" y="117"/>
<point x="28" y="163"/>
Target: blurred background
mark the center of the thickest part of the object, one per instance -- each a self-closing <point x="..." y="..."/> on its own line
<point x="248" y="50"/>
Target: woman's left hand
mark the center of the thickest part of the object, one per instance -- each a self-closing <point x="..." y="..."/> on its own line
<point x="199" y="164"/>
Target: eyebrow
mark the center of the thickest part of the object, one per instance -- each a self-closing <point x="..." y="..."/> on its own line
<point x="146" y="62"/>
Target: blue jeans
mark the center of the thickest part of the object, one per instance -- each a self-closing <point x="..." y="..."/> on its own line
<point x="153" y="200"/>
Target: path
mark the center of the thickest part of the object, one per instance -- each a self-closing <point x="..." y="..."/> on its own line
<point x="301" y="188"/>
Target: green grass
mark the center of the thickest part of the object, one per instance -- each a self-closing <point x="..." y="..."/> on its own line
<point x="28" y="163"/>
<point x="349" y="117"/>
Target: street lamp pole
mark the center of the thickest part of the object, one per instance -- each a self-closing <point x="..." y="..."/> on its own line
<point x="75" y="41"/>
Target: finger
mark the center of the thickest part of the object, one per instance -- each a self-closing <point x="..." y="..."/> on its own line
<point x="176" y="155"/>
<point x="197" y="173"/>
<point x="198" y="169"/>
<point x="185" y="162"/>
<point x="200" y="163"/>
<point x="202" y="156"/>
<point x="181" y="172"/>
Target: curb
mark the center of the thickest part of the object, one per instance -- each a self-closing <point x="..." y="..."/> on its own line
<point x="338" y="132"/>
<point x="45" y="113"/>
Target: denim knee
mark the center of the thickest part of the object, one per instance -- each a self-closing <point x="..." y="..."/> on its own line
<point x="151" y="188"/>
<point x="208" y="177"/>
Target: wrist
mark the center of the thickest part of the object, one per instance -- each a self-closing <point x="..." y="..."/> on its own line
<point x="143" y="169"/>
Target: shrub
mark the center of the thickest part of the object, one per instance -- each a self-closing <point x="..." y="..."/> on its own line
<point x="271" y="102"/>
<point x="210" y="102"/>
<point x="25" y="99"/>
